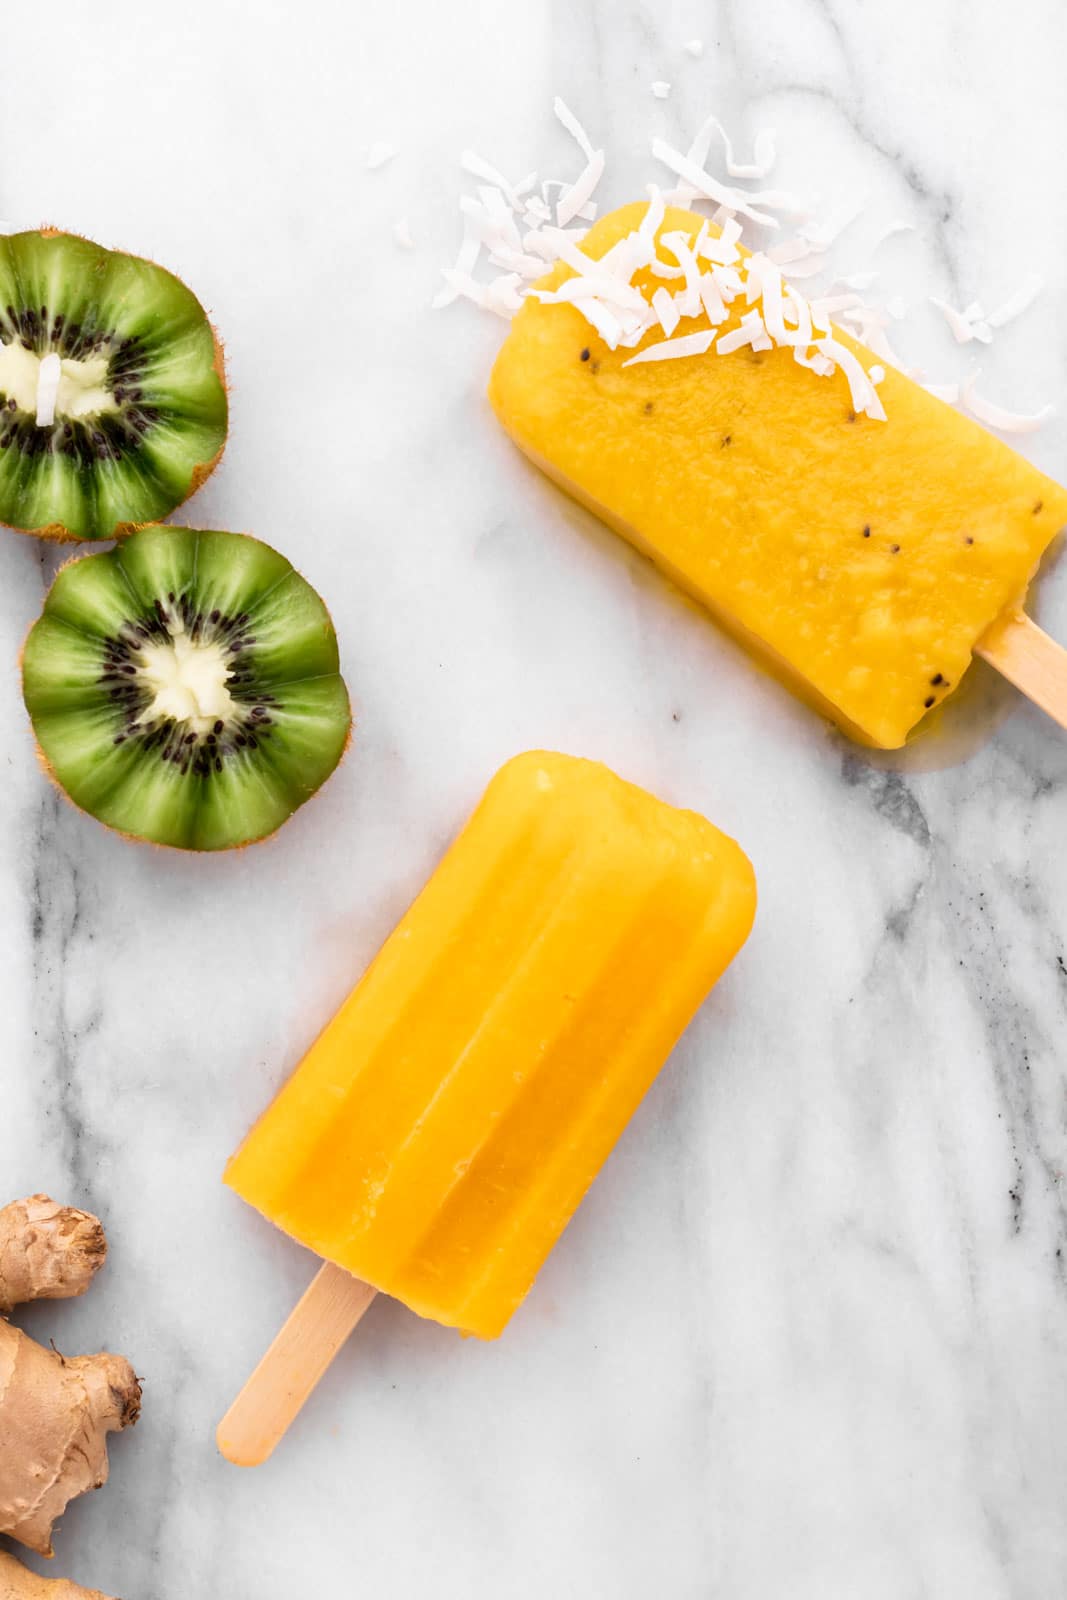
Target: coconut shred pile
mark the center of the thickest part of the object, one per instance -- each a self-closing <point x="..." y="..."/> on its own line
<point x="519" y="230"/>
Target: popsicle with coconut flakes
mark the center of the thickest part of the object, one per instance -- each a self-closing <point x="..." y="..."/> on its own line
<point x="438" y="1136"/>
<point x="859" y="534"/>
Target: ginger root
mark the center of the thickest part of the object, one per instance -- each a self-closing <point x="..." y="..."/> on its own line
<point x="19" y="1583"/>
<point x="55" y="1414"/>
<point x="47" y="1252"/>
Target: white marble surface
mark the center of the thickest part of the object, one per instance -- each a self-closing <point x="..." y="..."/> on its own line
<point x="808" y="1337"/>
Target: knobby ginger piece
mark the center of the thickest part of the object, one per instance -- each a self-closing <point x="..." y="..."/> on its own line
<point x="55" y="1416"/>
<point x="47" y="1252"/>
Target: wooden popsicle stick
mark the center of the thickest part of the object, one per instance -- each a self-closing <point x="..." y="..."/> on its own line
<point x="318" y="1326"/>
<point x="1030" y="660"/>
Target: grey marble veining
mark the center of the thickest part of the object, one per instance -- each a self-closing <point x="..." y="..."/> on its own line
<point x="807" y="1339"/>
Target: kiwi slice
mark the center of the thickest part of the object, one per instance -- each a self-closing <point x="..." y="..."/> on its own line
<point x="112" y="400"/>
<point x="184" y="689"/>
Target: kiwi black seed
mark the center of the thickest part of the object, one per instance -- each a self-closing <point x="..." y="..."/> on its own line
<point x="140" y="416"/>
<point x="184" y="687"/>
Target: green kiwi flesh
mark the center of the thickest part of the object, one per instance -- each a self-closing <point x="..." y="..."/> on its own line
<point x="184" y="687"/>
<point x="140" y="415"/>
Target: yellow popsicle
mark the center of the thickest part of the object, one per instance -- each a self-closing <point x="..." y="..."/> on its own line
<point x="440" y="1133"/>
<point x="864" y="560"/>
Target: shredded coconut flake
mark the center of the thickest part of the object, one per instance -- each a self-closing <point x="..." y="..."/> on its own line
<point x="464" y="266"/>
<point x="799" y="312"/>
<point x="685" y="253"/>
<point x="460" y="285"/>
<point x="763" y="152"/>
<point x="816" y="363"/>
<point x="660" y="89"/>
<point x="378" y="154"/>
<point x="830" y="305"/>
<point x="749" y="332"/>
<point x="729" y="282"/>
<point x="710" y="187"/>
<point x="868" y="326"/>
<point x="722" y="248"/>
<point x="810" y="268"/>
<point x="864" y="398"/>
<point x="593" y="286"/>
<point x="666" y="310"/>
<point x="823" y="234"/>
<point x="967" y="324"/>
<point x="898" y="226"/>
<point x="857" y="280"/>
<point x="574" y="202"/>
<point x="790" y="251"/>
<point x="503" y="296"/>
<point x="573" y="127"/>
<point x="473" y="163"/>
<point x="711" y="299"/>
<point x="694" y="48"/>
<point x="48" y="375"/>
<point x="402" y="234"/>
<point x="520" y="229"/>
<point x="949" y="392"/>
<point x="690" y="344"/>
<point x="1017" y="303"/>
<point x="995" y="416"/>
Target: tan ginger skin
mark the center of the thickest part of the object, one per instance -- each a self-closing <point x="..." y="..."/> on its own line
<point x="18" y="1583"/>
<point x="47" y="1252"/>
<point x="55" y="1413"/>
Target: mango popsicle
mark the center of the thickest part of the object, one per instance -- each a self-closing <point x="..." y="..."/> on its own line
<point x="864" y="560"/>
<point x="438" y="1136"/>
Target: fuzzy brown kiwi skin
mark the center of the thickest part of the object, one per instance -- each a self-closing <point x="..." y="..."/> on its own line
<point x="55" y="532"/>
<point x="136" y="838"/>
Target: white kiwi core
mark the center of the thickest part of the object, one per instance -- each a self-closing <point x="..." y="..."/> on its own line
<point x="187" y="680"/>
<point x="82" y="390"/>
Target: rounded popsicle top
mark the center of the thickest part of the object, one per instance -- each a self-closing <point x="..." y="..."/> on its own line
<point x="579" y="798"/>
